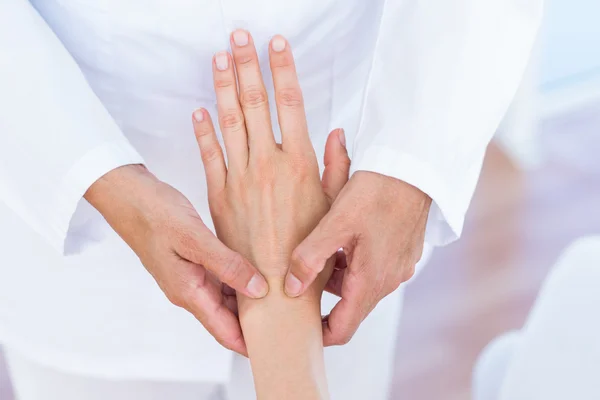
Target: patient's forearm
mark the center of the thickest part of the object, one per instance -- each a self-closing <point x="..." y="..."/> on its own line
<point x="285" y="345"/>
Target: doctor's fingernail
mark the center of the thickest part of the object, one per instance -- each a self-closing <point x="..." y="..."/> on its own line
<point x="240" y="38"/>
<point x="278" y="44"/>
<point x="342" y="137"/>
<point x="257" y="287"/>
<point x="222" y="60"/>
<point x="293" y="286"/>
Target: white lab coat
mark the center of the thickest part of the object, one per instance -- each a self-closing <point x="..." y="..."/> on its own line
<point x="90" y="85"/>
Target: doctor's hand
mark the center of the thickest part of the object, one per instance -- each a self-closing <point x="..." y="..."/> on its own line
<point x="379" y="222"/>
<point x="187" y="261"/>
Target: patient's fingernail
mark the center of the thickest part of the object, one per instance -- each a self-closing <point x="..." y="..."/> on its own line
<point x="240" y="38"/>
<point x="199" y="115"/>
<point x="342" y="137"/>
<point x="293" y="286"/>
<point x="257" y="287"/>
<point x="278" y="44"/>
<point x="222" y="60"/>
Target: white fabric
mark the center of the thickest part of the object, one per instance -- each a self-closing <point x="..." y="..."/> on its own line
<point x="32" y="381"/>
<point x="419" y="87"/>
<point x="360" y="370"/>
<point x="491" y="367"/>
<point x="556" y="355"/>
<point x="457" y="65"/>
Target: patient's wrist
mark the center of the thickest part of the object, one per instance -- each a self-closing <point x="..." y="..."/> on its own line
<point x="281" y="332"/>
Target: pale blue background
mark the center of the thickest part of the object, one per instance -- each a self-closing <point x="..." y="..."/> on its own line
<point x="570" y="43"/>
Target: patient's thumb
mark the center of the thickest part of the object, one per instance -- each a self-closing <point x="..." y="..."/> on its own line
<point x="337" y="164"/>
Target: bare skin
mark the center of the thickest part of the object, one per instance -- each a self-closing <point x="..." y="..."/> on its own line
<point x="263" y="203"/>
<point x="380" y="223"/>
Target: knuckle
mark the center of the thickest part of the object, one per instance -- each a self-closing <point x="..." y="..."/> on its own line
<point x="236" y="343"/>
<point x="191" y="290"/>
<point x="344" y="337"/>
<point x="281" y="65"/>
<point x="344" y="163"/>
<point x="224" y="343"/>
<point x="185" y="239"/>
<point x="223" y="83"/>
<point x="229" y="344"/>
<point x="418" y="254"/>
<point x="203" y="132"/>
<point x="232" y="269"/>
<point x="408" y="272"/>
<point x="232" y="120"/>
<point x="263" y="164"/>
<point x="211" y="153"/>
<point x="253" y="98"/>
<point x="244" y="59"/>
<point x="290" y="97"/>
<point x="176" y="298"/>
<point x="393" y="285"/>
<point x="299" y="259"/>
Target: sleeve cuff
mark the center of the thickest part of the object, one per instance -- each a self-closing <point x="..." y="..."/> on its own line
<point x="446" y="216"/>
<point x="68" y="205"/>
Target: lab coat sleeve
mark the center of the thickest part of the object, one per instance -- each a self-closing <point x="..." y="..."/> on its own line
<point x="443" y="75"/>
<point x="56" y="137"/>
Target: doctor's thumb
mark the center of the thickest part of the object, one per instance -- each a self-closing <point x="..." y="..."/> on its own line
<point x="310" y="257"/>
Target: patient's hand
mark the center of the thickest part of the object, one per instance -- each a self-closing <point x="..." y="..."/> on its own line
<point x="266" y="201"/>
<point x="269" y="197"/>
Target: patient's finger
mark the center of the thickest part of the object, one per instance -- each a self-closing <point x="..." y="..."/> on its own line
<point x="253" y="95"/>
<point x="288" y="97"/>
<point x="337" y="165"/>
<point x="231" y="117"/>
<point x="210" y="149"/>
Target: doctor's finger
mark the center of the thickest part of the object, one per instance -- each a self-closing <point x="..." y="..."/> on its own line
<point x="206" y="302"/>
<point x="341" y="325"/>
<point x="288" y="98"/>
<point x="230" y="298"/>
<point x="200" y="246"/>
<point x="231" y="117"/>
<point x="211" y="152"/>
<point x="310" y="256"/>
<point x="358" y="299"/>
<point x="253" y="95"/>
<point x="334" y="284"/>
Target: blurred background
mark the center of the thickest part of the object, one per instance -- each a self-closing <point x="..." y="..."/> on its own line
<point x="539" y="191"/>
